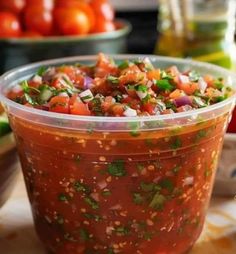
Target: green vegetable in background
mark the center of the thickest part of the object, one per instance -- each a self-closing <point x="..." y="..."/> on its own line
<point x="4" y="126"/>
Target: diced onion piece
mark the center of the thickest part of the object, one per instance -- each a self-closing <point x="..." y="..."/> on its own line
<point x="116" y="207"/>
<point x="184" y="108"/>
<point x="188" y="181"/>
<point x="184" y="79"/>
<point x="149" y="83"/>
<point x="130" y="112"/>
<point x="37" y="79"/>
<point x="202" y="85"/>
<point x="141" y="95"/>
<point x="148" y="63"/>
<point x="64" y="80"/>
<point x="86" y="95"/>
<point x="102" y="184"/>
<point x="109" y="230"/>
<point x="63" y="94"/>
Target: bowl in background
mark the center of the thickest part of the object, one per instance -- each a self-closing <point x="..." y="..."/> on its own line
<point x="17" y="52"/>
<point x="9" y="166"/>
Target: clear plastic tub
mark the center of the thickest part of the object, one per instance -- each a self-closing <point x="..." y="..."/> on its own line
<point x="119" y="185"/>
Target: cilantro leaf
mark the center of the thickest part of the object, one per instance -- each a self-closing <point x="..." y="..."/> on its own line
<point x="41" y="71"/>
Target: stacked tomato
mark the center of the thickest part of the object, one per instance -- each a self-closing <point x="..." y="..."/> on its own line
<point x="36" y="18"/>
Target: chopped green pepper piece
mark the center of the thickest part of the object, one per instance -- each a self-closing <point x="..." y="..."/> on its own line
<point x="91" y="202"/>
<point x="147" y="187"/>
<point x="176" y="143"/>
<point x="164" y="84"/>
<point x="80" y="187"/>
<point x="141" y="88"/>
<point x="106" y="193"/>
<point x="92" y="216"/>
<point x="123" y="65"/>
<point x="113" y="80"/>
<point x="63" y="197"/>
<point x="158" y="201"/>
<point x="116" y="168"/>
<point x="84" y="235"/>
<point x="167" y="184"/>
<point x="138" y="199"/>
<point x="121" y="230"/>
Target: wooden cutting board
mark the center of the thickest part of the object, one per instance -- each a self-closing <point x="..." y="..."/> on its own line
<point x="17" y="235"/>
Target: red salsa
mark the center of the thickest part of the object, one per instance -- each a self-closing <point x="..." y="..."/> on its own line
<point x="105" y="192"/>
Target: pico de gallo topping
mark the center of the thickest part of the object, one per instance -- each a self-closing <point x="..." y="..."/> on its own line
<point x="126" y="88"/>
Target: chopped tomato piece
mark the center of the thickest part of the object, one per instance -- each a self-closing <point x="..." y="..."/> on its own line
<point x="188" y="88"/>
<point x="59" y="104"/>
<point x="154" y="74"/>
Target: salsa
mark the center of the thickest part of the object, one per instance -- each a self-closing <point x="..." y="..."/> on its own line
<point x="128" y="88"/>
<point x="114" y="191"/>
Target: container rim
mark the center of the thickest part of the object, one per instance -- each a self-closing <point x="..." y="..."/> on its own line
<point x="123" y="28"/>
<point x="69" y="60"/>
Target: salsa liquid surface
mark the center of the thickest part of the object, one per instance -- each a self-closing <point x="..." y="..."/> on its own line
<point x="104" y="193"/>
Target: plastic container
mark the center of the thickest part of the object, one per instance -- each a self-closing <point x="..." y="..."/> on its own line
<point x="119" y="185"/>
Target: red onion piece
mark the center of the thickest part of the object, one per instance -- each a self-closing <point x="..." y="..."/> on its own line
<point x="45" y="107"/>
<point x="88" y="82"/>
<point x="182" y="101"/>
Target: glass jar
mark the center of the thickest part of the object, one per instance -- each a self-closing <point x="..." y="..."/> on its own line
<point x="198" y="29"/>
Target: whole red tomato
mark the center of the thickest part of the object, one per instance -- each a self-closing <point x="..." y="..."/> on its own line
<point x="39" y="20"/>
<point x="103" y="8"/>
<point x="102" y="25"/>
<point x="46" y="4"/>
<point x="232" y="125"/>
<point x="72" y="21"/>
<point x="15" y="6"/>
<point x="9" y="25"/>
<point x="83" y="6"/>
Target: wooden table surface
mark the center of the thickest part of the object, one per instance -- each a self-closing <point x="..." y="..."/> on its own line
<point x="17" y="235"/>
